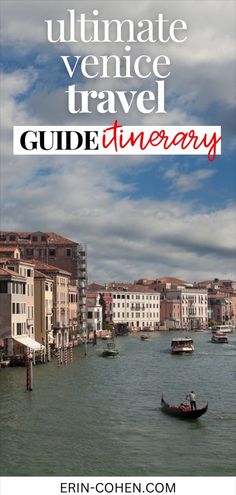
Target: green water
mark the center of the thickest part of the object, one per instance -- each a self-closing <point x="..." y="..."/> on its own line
<point x="101" y="416"/>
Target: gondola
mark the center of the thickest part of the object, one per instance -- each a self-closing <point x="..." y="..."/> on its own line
<point x="179" y="413"/>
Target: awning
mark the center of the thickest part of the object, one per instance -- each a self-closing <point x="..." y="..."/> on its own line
<point x="28" y="342"/>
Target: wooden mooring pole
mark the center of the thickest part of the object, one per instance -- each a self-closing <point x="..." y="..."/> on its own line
<point x="29" y="370"/>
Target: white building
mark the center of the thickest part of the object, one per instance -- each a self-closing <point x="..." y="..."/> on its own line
<point x="13" y="308"/>
<point x="193" y="306"/>
<point x="15" y="326"/>
<point x="26" y="270"/>
<point x="136" y="305"/>
<point x="94" y="312"/>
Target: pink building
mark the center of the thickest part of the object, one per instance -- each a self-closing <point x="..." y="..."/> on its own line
<point x="171" y="313"/>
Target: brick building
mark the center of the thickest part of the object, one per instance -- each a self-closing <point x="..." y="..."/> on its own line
<point x="54" y="249"/>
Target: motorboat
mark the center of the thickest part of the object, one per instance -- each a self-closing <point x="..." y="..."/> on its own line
<point x="110" y="350"/>
<point x="219" y="338"/>
<point x="182" y="345"/>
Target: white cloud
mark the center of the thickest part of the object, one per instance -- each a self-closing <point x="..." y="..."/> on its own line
<point x="126" y="238"/>
<point x="190" y="181"/>
<point x="85" y="199"/>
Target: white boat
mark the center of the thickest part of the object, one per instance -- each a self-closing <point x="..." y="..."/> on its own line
<point x="222" y="329"/>
<point x="219" y="338"/>
<point x="182" y="345"/>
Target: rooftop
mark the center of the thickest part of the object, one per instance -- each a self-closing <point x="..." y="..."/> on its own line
<point x="45" y="267"/>
<point x="4" y="272"/>
<point x="38" y="274"/>
<point x="26" y="237"/>
<point x="171" y="280"/>
<point x="128" y="287"/>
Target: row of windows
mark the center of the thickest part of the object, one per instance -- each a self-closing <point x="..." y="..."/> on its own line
<point x="25" y="272"/>
<point x="34" y="238"/>
<point x="18" y="288"/>
<point x="18" y="308"/>
<point x="137" y="315"/>
<point x="92" y="315"/>
<point x="143" y="324"/>
<point x="186" y="320"/>
<point x="64" y="298"/>
<point x="189" y="298"/>
<point x="193" y="311"/>
<point x="132" y="296"/>
<point x="51" y="252"/>
<point x="137" y="307"/>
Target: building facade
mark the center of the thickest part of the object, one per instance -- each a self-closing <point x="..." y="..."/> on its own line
<point x="220" y="308"/>
<point x="53" y="249"/>
<point x="134" y="304"/>
<point x="43" y="304"/>
<point x="73" y="311"/>
<point x="171" y="313"/>
<point x="193" y="306"/>
<point x="61" y="283"/>
<point x="13" y="308"/>
<point x="26" y="270"/>
<point x="95" y="321"/>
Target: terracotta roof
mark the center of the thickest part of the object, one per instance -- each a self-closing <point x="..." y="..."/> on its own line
<point x="5" y="249"/>
<point x="4" y="260"/>
<point x="10" y="273"/>
<point x="40" y="266"/>
<point x="38" y="274"/>
<point x="16" y="261"/>
<point x="52" y="237"/>
<point x="145" y="281"/>
<point x="96" y="287"/>
<point x="127" y="287"/>
<point x="171" y="280"/>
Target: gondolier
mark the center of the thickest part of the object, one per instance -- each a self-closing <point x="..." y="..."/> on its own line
<point x="192" y="399"/>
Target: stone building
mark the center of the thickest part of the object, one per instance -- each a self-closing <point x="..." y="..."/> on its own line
<point x="193" y="306"/>
<point x="136" y="305"/>
<point x="43" y="308"/>
<point x="54" y="249"/>
<point x="60" y="320"/>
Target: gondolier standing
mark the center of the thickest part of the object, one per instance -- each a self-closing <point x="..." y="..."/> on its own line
<point x="192" y="399"/>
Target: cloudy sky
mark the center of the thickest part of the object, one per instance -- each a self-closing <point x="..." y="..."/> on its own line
<point x="140" y="217"/>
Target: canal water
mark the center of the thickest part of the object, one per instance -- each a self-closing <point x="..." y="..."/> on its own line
<point x="101" y="416"/>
